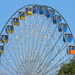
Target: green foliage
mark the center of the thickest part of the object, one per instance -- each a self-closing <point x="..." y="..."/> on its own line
<point x="67" y="69"/>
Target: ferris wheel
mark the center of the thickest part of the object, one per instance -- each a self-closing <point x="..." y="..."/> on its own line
<point x="36" y="40"/>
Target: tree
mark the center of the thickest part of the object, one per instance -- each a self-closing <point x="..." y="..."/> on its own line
<point x="67" y="69"/>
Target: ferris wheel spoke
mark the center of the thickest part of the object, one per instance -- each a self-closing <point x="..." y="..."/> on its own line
<point x="19" y="53"/>
<point x="23" y="52"/>
<point x="41" y="35"/>
<point x="28" y="53"/>
<point x="55" y="73"/>
<point x="59" y="51"/>
<point x="50" y="39"/>
<point x="53" y="66"/>
<point x="18" y="67"/>
<point x="24" y="33"/>
<point x="49" y="52"/>
<point x="42" y="39"/>
<point x="37" y="19"/>
<point x="14" y="49"/>
<point x="48" y="64"/>
<point x="3" y="73"/>
<point x="40" y="32"/>
<point x="35" y="54"/>
<point x="57" y="65"/>
<point x="41" y="22"/>
<point x="45" y="33"/>
<point x="8" y="63"/>
<point x="58" y="61"/>
<point x="7" y="69"/>
<point x="30" y="41"/>
<point x="32" y="32"/>
<point x="48" y="49"/>
<point x="32" y="53"/>
<point x="25" y="67"/>
<point x="18" y="45"/>
<point x="21" y="42"/>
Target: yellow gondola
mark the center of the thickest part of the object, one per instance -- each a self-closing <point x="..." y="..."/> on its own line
<point x="1" y="49"/>
<point x="15" y="21"/>
<point x="22" y="15"/>
<point x="4" y="39"/>
<point x="9" y="29"/>
<point x="29" y="11"/>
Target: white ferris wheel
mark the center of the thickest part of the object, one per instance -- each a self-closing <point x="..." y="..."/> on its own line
<point x="36" y="40"/>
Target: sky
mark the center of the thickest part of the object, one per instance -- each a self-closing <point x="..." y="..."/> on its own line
<point x="65" y="7"/>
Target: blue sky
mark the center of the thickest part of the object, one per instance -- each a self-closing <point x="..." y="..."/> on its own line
<point x="65" y="7"/>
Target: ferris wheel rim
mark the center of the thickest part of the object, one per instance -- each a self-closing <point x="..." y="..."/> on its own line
<point x="29" y="5"/>
<point x="38" y="5"/>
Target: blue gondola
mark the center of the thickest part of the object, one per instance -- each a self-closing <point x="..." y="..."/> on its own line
<point x="50" y="13"/>
<point x="15" y="21"/>
<point x="36" y="9"/>
<point x="42" y="10"/>
<point x="62" y="27"/>
<point x="56" y="19"/>
<point x="4" y="38"/>
<point x="1" y="50"/>
<point x="29" y="11"/>
<point x="67" y="38"/>
<point x="9" y="29"/>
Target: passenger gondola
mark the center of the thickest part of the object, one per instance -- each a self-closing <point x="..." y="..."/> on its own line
<point x="36" y="9"/>
<point x="15" y="21"/>
<point x="4" y="38"/>
<point x="67" y="38"/>
<point x="29" y="11"/>
<point x="56" y="19"/>
<point x="71" y="49"/>
<point x="1" y="49"/>
<point x="62" y="27"/>
<point x="50" y="13"/>
<point x="9" y="29"/>
<point x="43" y="10"/>
<point x="22" y="15"/>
